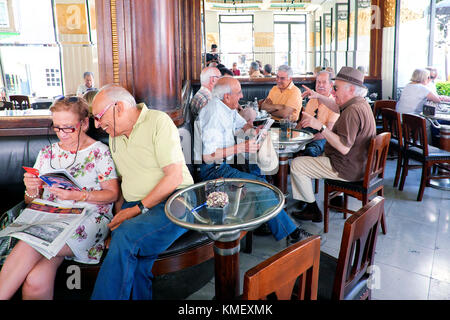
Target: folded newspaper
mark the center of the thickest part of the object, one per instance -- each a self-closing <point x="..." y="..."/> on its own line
<point x="45" y="226"/>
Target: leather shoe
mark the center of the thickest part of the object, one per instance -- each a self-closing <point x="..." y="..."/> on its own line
<point x="263" y="230"/>
<point x="311" y="212"/>
<point x="300" y="205"/>
<point x="297" y="235"/>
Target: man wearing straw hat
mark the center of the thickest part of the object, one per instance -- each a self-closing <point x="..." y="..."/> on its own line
<point x="345" y="153"/>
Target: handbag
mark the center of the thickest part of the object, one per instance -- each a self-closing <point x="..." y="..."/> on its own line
<point x="8" y="243"/>
<point x="267" y="157"/>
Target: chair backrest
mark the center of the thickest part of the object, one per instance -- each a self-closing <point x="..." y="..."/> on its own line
<point x="20" y="102"/>
<point x="414" y="132"/>
<point x="392" y="122"/>
<point x="5" y="105"/>
<point x="376" y="159"/>
<point x="278" y="274"/>
<point x="380" y="105"/>
<point x="357" y="247"/>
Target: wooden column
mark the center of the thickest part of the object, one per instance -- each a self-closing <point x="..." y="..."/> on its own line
<point x="376" y="38"/>
<point x="150" y="47"/>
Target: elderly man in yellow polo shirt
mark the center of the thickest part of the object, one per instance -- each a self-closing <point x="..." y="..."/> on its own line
<point x="145" y="146"/>
<point x="318" y="110"/>
<point x="285" y="99"/>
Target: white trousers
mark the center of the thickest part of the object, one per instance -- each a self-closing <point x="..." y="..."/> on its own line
<point x="303" y="169"/>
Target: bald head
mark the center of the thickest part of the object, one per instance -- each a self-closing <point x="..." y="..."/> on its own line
<point x="115" y="110"/>
<point x="229" y="91"/>
<point x="209" y="76"/>
<point x="112" y="93"/>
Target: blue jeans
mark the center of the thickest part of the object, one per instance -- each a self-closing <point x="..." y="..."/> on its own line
<point x="314" y="148"/>
<point x="280" y="226"/>
<point x="135" y="245"/>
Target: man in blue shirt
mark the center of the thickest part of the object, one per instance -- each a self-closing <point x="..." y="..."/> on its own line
<point x="217" y="125"/>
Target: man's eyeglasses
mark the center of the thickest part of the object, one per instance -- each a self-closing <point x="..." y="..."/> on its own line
<point x="100" y="115"/>
<point x="281" y="78"/>
<point x="66" y="129"/>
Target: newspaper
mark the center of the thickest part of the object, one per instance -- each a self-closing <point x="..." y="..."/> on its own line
<point x="45" y="226"/>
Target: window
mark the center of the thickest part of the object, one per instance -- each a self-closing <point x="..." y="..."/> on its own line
<point x="4" y="16"/>
<point x="290" y="41"/>
<point x="236" y="41"/>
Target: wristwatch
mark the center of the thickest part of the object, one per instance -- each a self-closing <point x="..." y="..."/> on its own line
<point x="323" y="128"/>
<point x="142" y="207"/>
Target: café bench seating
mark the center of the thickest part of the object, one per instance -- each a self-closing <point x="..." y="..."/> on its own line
<point x="188" y="258"/>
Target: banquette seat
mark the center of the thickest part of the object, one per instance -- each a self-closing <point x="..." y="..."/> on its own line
<point x="179" y="271"/>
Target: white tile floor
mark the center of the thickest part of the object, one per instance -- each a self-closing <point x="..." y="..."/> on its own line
<point x="413" y="258"/>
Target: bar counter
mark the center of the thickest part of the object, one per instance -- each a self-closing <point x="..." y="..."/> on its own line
<point x="31" y="123"/>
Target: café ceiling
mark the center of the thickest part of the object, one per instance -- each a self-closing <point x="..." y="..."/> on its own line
<point x="258" y="5"/>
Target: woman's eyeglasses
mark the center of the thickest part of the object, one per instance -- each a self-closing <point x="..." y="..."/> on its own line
<point x="71" y="99"/>
<point x="66" y="129"/>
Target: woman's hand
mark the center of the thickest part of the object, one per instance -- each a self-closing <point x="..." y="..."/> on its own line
<point x="64" y="194"/>
<point x="32" y="182"/>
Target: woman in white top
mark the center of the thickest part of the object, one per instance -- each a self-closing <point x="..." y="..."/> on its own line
<point x="416" y="93"/>
<point x="90" y="163"/>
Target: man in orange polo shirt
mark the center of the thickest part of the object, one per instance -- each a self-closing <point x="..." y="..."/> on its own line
<point x="285" y="99"/>
<point x="318" y="110"/>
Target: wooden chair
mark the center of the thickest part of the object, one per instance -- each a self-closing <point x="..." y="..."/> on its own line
<point x="373" y="182"/>
<point x="377" y="107"/>
<point x="392" y="123"/>
<point x="20" y="102"/>
<point x="278" y="274"/>
<point x="5" y="105"/>
<point x="416" y="147"/>
<point x="347" y="278"/>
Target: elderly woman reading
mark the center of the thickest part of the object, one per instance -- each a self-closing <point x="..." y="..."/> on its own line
<point x="90" y="163"/>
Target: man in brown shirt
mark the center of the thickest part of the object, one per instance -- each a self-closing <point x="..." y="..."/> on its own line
<point x="347" y="143"/>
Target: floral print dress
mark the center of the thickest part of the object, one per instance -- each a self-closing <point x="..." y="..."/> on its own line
<point x="92" y="165"/>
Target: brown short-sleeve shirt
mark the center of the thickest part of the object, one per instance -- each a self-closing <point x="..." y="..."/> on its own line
<point x="355" y="128"/>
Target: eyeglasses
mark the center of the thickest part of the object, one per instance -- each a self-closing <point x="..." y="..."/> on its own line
<point x="100" y="115"/>
<point x="281" y="78"/>
<point x="66" y="129"/>
<point x="71" y="99"/>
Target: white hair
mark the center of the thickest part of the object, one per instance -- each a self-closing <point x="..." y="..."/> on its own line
<point x="359" y="91"/>
<point x="117" y="93"/>
<point x="287" y="69"/>
<point x="206" y="74"/>
<point x="220" y="90"/>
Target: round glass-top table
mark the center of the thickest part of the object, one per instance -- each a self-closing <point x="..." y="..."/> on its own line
<point x="250" y="203"/>
<point x="285" y="148"/>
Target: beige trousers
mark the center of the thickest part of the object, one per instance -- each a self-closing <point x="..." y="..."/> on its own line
<point x="303" y="169"/>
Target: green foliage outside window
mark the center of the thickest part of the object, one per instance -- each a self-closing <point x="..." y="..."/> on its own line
<point x="443" y="88"/>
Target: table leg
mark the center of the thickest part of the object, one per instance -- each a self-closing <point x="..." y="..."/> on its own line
<point x="226" y="261"/>
<point x="282" y="174"/>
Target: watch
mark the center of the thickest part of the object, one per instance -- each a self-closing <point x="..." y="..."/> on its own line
<point x="142" y="207"/>
<point x="323" y="128"/>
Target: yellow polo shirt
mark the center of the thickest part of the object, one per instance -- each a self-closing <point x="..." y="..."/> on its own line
<point x="153" y="144"/>
<point x="291" y="97"/>
<point x="324" y="114"/>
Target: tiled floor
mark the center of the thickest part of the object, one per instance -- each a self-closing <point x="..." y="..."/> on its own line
<point x="412" y="259"/>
